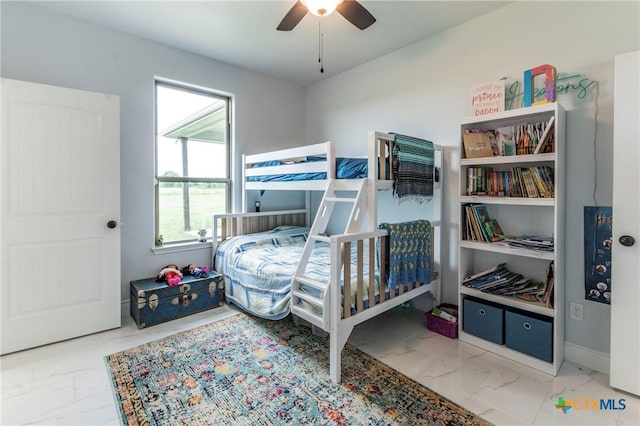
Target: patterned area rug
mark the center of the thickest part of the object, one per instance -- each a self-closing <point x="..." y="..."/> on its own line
<point x="248" y="371"/>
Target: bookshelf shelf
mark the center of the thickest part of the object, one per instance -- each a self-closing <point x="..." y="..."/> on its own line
<point x="503" y="248"/>
<point x="516" y="215"/>
<point x="511" y="159"/>
<point x="545" y="367"/>
<point x="512" y="201"/>
<point x="512" y="117"/>
<point x="536" y="307"/>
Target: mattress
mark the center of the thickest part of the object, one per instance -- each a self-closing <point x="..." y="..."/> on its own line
<point x="258" y="270"/>
<point x="346" y="168"/>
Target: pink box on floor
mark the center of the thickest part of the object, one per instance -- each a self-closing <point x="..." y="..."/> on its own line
<point x="441" y="325"/>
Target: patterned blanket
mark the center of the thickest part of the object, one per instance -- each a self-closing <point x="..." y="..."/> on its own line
<point x="413" y="168"/>
<point x="258" y="269"/>
<point x="409" y="252"/>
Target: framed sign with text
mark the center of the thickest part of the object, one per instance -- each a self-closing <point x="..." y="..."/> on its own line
<point x="487" y="98"/>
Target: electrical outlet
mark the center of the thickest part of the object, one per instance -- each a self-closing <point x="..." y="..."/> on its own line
<point x="576" y="311"/>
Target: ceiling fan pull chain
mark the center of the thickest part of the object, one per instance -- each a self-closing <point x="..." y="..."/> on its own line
<point x="321" y="47"/>
<point x="319" y="50"/>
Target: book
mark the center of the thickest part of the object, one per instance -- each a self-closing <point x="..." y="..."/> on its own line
<point x="494" y="229"/>
<point x="483" y="180"/>
<point x="471" y="180"/>
<point x="515" y="184"/>
<point x="478" y="143"/>
<point x="532" y="140"/>
<point x="506" y="177"/>
<point x="512" y="281"/>
<point x="485" y="228"/>
<point x="527" y="286"/>
<point x="546" y="173"/>
<point x="470" y="235"/>
<point x="542" y="190"/>
<point x="509" y="147"/>
<point x="497" y="280"/>
<point x="494" y="146"/>
<point x="521" y="139"/>
<point x="482" y="216"/>
<point x="529" y="184"/>
<point x="521" y="287"/>
<point x="521" y="190"/>
<point x="548" y="294"/>
<point x="483" y="273"/>
<point x="504" y="138"/>
<point x="501" y="185"/>
<point x="546" y="135"/>
<point x="476" y="235"/>
<point x="489" y="280"/>
<point x="530" y="242"/>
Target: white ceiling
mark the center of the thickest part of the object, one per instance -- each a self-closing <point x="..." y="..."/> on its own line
<point x="243" y="33"/>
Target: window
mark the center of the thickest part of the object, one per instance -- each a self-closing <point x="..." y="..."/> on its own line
<point x="192" y="161"/>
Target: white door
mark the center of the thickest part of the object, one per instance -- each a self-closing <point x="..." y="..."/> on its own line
<point x="60" y="171"/>
<point x="625" y="257"/>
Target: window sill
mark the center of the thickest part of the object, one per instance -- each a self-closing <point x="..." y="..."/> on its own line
<point x="175" y="248"/>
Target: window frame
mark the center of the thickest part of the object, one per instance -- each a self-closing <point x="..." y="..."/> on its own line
<point x="158" y="180"/>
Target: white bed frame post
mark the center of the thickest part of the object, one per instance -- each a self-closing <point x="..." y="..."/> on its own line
<point x="372" y="193"/>
<point x="438" y="164"/>
<point x="307" y="206"/>
<point x="335" y="349"/>
<point x="244" y="189"/>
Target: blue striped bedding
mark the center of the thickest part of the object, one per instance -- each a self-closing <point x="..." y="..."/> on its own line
<point x="258" y="269"/>
<point x="346" y="168"/>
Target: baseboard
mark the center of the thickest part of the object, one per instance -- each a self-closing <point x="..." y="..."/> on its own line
<point x="586" y="357"/>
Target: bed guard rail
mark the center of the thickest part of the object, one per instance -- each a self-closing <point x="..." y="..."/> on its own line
<point x="234" y="224"/>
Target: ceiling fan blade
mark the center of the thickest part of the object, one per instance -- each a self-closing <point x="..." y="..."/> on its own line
<point x="293" y="17"/>
<point x="355" y="13"/>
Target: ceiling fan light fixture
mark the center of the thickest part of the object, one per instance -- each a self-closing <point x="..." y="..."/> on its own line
<point x="321" y="7"/>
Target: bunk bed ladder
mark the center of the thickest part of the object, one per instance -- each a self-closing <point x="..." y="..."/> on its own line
<point x="319" y="298"/>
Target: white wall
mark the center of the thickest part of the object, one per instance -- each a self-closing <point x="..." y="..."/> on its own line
<point x="45" y="47"/>
<point x="420" y="90"/>
<point x="423" y="90"/>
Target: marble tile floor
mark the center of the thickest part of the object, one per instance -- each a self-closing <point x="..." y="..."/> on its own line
<point x="67" y="383"/>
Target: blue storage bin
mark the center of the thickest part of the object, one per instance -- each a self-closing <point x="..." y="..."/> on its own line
<point x="529" y="334"/>
<point x="483" y="319"/>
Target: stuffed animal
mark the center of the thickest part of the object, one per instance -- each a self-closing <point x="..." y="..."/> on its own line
<point x="196" y="271"/>
<point x="170" y="274"/>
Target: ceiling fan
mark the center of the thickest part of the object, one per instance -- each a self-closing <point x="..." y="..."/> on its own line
<point x="352" y="11"/>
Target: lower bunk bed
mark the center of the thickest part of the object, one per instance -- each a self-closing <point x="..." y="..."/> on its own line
<point x="258" y="254"/>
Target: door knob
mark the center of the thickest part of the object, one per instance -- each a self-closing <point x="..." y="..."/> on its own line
<point x="627" y="240"/>
<point x="112" y="224"/>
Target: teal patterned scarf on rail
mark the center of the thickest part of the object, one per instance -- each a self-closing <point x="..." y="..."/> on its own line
<point x="409" y="252"/>
<point x="413" y="168"/>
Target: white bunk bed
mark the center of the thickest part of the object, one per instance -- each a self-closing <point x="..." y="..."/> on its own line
<point x="352" y="253"/>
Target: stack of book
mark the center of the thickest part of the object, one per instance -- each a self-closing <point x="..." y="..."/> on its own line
<point x="480" y="226"/>
<point x="531" y="182"/>
<point x="534" y="138"/>
<point x="501" y="281"/>
<point x="531" y="242"/>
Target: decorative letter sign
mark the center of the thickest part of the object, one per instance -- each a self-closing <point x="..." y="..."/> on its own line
<point x="487" y="98"/>
<point x="549" y="72"/>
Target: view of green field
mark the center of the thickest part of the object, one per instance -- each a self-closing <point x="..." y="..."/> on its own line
<point x="205" y="200"/>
